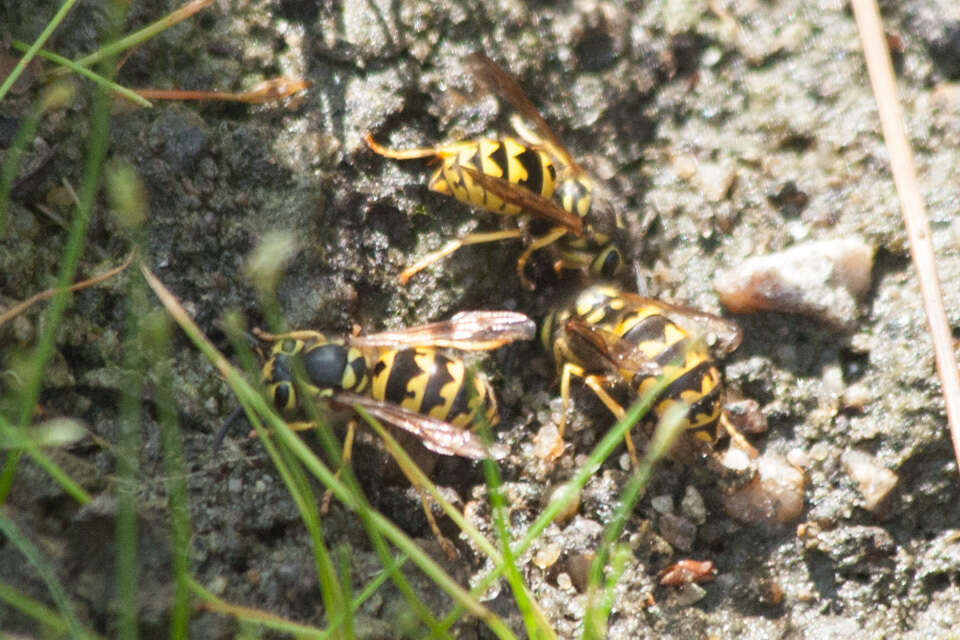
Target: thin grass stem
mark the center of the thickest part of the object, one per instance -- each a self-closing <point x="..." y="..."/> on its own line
<point x="36" y="46"/>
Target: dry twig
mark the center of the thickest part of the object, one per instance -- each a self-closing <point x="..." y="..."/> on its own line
<point x="880" y="70"/>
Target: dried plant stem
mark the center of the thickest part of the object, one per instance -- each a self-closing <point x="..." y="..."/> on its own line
<point x="880" y="70"/>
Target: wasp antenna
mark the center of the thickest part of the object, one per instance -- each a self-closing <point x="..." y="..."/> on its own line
<point x="232" y="419"/>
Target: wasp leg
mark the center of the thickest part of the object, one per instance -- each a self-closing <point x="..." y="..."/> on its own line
<point x="266" y="336"/>
<point x="442" y="540"/>
<point x="595" y="383"/>
<point x="402" y="154"/>
<point x="302" y="425"/>
<point x="736" y="437"/>
<point x="453" y="245"/>
<point x="539" y="243"/>
<point x="445" y="151"/>
<point x="345" y="456"/>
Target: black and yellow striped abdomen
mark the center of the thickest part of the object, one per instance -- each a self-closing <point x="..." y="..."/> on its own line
<point x="685" y="362"/>
<point x="428" y="382"/>
<point x="683" y="359"/>
<point x="507" y="159"/>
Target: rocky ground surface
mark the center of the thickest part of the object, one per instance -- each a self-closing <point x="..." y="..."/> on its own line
<point x="723" y="131"/>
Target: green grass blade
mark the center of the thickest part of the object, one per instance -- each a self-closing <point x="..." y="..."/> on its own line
<point x="142" y="35"/>
<point x="343" y="564"/>
<point x="12" y="532"/>
<point x="604" y="448"/>
<point x="378" y="522"/>
<point x="11" y="163"/>
<point x="19" y="441"/>
<point x="40" y="612"/>
<point x="667" y="431"/>
<point x="157" y="346"/>
<point x="37" y="44"/>
<point x="291" y="471"/>
<point x="535" y="624"/>
<point x="288" y="465"/>
<point x="127" y="463"/>
<point x="104" y="83"/>
<point x="268" y="620"/>
<point x="417" y="478"/>
<point x="71" y="256"/>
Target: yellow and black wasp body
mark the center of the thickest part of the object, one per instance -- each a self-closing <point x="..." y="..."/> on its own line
<point x="532" y="176"/>
<point x="399" y="377"/>
<point x="608" y="336"/>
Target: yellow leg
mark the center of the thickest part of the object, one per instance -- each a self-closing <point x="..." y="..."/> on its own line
<point x="400" y="154"/>
<point x="595" y="384"/>
<point x="266" y="336"/>
<point x="303" y="425"/>
<point x="416" y="153"/>
<point x="444" y="542"/>
<point x="539" y="243"/>
<point x="453" y="245"/>
<point x="345" y="455"/>
<point x="736" y="437"/>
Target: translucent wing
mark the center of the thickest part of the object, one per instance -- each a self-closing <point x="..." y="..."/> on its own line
<point x="530" y="202"/>
<point x="467" y="331"/>
<point x="500" y="83"/>
<point x="721" y="335"/>
<point x="621" y="354"/>
<point x="436" y="435"/>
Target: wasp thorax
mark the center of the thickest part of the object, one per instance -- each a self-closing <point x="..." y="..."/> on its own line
<point x="328" y="365"/>
<point x="597" y="300"/>
<point x="575" y="195"/>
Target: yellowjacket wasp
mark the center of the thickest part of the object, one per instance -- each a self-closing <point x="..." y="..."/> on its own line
<point x="533" y="176"/>
<point x="398" y="376"/>
<point x="607" y="331"/>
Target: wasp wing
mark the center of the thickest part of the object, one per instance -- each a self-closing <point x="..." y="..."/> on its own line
<point x="500" y="83"/>
<point x="436" y="435"/>
<point x="620" y="353"/>
<point x="721" y="335"/>
<point x="530" y="202"/>
<point x="467" y="331"/>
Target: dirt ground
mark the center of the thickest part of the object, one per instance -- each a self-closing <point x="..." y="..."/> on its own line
<point x="722" y="130"/>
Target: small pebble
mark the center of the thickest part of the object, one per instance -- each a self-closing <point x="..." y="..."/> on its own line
<point x="735" y="459"/>
<point x="874" y="481"/>
<point x="715" y="181"/>
<point x="857" y="396"/>
<point x="547" y="555"/>
<point x="692" y="506"/>
<point x="217" y="586"/>
<point x="662" y="504"/>
<point x="570" y="508"/>
<point x="798" y="458"/>
<point x="820" y="451"/>
<point x="819" y="279"/>
<point x="687" y="571"/>
<point x="578" y="568"/>
<point x="678" y="531"/>
<point x="688" y="595"/>
<point x="547" y="444"/>
<point x="564" y="583"/>
<point x="774" y="497"/>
